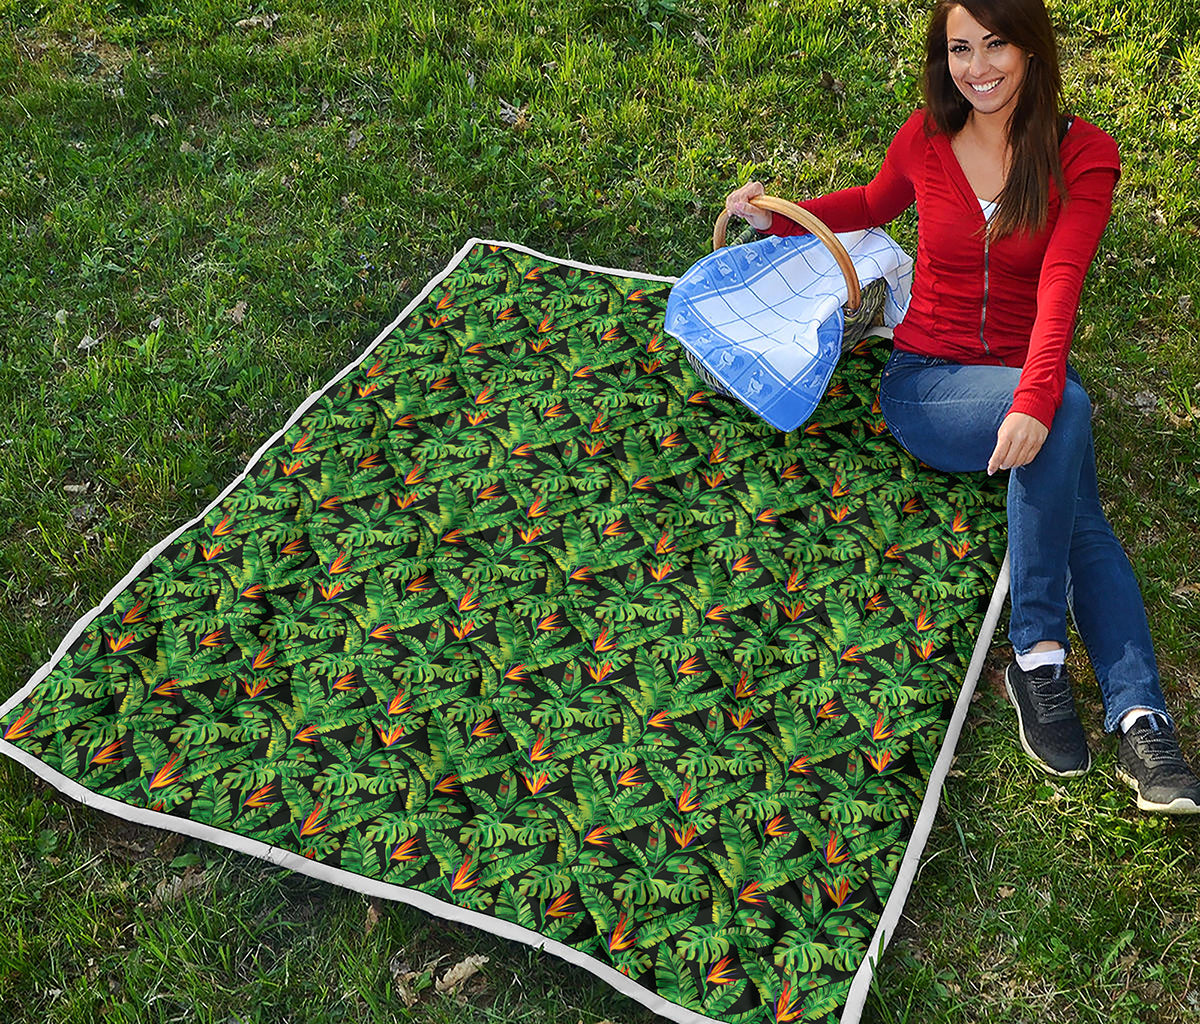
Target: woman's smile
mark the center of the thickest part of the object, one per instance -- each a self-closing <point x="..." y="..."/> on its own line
<point x="986" y="69"/>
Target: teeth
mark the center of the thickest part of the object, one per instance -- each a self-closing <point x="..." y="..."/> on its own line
<point x="986" y="88"/>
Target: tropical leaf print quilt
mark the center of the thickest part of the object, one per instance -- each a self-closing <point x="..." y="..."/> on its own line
<point x="515" y="622"/>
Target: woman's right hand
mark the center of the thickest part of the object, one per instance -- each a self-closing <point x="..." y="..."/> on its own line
<point x="737" y="204"/>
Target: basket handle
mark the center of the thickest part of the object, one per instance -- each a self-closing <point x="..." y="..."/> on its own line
<point x="813" y="224"/>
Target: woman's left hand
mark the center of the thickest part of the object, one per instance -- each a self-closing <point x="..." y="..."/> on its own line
<point x="1018" y="441"/>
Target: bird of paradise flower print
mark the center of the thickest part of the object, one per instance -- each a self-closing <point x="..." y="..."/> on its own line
<point x="518" y="617"/>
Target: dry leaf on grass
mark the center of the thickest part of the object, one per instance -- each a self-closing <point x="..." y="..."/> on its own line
<point x="832" y="84"/>
<point x="1145" y="401"/>
<point x="404" y="978"/>
<point x="460" y="972"/>
<point x="171" y="889"/>
<point x="410" y="982"/>
<point x="374" y="913"/>
<point x="514" y="116"/>
<point x="127" y="850"/>
<point x="257" y="21"/>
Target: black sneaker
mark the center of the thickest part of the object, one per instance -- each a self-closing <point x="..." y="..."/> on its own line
<point x="1051" y="732"/>
<point x="1149" y="760"/>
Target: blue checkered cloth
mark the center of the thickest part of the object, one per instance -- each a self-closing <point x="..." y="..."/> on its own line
<point x="765" y="320"/>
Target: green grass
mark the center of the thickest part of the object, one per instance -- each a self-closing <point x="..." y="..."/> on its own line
<point x="159" y="167"/>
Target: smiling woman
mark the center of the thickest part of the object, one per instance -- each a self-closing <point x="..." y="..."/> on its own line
<point x="980" y="61"/>
<point x="1013" y="196"/>
<point x="997" y="89"/>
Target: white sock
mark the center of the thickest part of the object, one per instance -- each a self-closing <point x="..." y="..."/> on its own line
<point x="1036" y="659"/>
<point x="1130" y="717"/>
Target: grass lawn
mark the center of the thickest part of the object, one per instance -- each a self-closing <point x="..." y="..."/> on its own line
<point x="200" y="222"/>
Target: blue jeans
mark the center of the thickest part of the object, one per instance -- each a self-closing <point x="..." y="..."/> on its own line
<point x="1062" y="550"/>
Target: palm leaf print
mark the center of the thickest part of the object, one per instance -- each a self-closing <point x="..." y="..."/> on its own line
<point x="519" y="617"/>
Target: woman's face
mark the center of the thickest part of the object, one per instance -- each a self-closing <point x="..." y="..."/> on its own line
<point x="987" y="69"/>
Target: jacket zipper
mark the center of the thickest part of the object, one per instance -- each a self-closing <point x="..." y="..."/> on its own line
<point x="983" y="309"/>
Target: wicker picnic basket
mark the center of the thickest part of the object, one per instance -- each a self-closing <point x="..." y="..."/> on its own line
<point x="861" y="309"/>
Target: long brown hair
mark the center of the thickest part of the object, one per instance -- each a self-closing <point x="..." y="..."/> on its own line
<point x="1036" y="124"/>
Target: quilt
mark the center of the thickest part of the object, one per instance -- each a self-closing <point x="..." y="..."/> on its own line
<point x="515" y="622"/>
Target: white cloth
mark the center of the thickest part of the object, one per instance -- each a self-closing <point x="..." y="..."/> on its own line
<point x="765" y="319"/>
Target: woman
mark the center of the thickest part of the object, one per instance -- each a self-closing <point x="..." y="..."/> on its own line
<point x="1012" y="198"/>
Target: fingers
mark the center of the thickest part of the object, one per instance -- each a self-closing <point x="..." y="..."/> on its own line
<point x="746" y="192"/>
<point x="999" y="456"/>
<point x="1018" y="441"/>
<point x="737" y="204"/>
<point x="1009" y="454"/>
